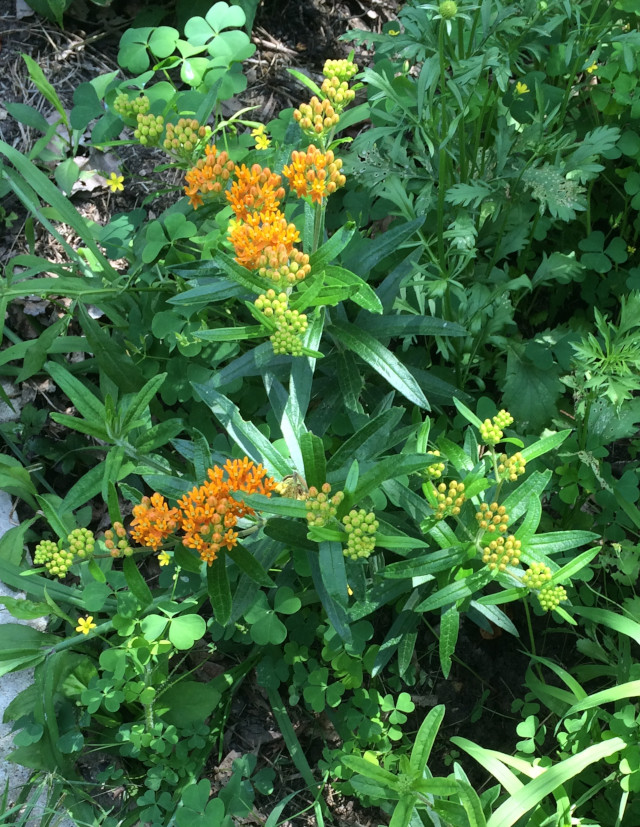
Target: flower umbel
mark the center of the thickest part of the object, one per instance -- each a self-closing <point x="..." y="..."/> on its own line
<point x="153" y="521"/>
<point x="85" y="624"/>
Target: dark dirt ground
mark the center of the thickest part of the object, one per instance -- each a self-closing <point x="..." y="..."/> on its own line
<point x="287" y="33"/>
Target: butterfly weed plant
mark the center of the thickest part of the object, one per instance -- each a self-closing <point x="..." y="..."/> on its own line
<point x="288" y="473"/>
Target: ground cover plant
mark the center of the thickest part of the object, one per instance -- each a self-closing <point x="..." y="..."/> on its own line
<point x="347" y="433"/>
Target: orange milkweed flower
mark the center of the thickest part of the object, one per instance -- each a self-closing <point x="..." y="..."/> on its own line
<point x="314" y="173"/>
<point x="257" y="233"/>
<point x="209" y="509"/>
<point x="209" y="176"/>
<point x="257" y="190"/>
<point x="153" y="521"/>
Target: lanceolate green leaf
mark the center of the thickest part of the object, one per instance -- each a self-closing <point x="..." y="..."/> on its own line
<point x="618" y="622"/>
<point x="86" y="403"/>
<point x="554" y="542"/>
<point x="219" y="590"/>
<point x="247" y="563"/>
<point x="526" y="798"/>
<point x="50" y="193"/>
<point x="245" y="434"/>
<point x="315" y="466"/>
<point x="425" y="739"/>
<point x="449" y="628"/>
<point x="380" y="359"/>
<point x="136" y="583"/>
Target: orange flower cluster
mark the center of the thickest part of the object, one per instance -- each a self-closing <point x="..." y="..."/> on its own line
<point x="314" y="173"/>
<point x="207" y="515"/>
<point x="257" y="190"/>
<point x="153" y="521"/>
<point x="259" y="225"/>
<point x="209" y="176"/>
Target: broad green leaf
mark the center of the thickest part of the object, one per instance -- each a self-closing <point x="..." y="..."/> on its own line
<point x="336" y="613"/>
<point x="403" y="811"/>
<point x="387" y="469"/>
<point x="44" y="87"/>
<point x="186" y="629"/>
<point x="281" y="506"/>
<point x="467" y="413"/>
<point x="380" y="359"/>
<point x="532" y="486"/>
<point x="231" y="334"/>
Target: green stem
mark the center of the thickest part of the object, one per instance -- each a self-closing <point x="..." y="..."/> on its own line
<point x="318" y="223"/>
<point x="442" y="158"/>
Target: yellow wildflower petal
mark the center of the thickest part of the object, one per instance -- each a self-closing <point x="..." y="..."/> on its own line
<point x="521" y="88"/>
<point x="85" y="624"/>
<point x="115" y="182"/>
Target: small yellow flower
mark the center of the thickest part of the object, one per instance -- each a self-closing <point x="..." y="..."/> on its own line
<point x="115" y="182"/>
<point x="630" y="249"/>
<point x="85" y="624"/>
<point x="521" y="88"/>
<point x="164" y="559"/>
<point x="262" y="139"/>
<point x="591" y="69"/>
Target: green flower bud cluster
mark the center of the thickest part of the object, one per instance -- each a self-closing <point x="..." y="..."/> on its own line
<point x="361" y="527"/>
<point x="149" y="129"/>
<point x="128" y="107"/>
<point x="510" y="468"/>
<point x="321" y="508"/>
<point x="117" y="542"/>
<point x="55" y="559"/>
<point x="434" y="471"/>
<point x="183" y="138"/>
<point x="450" y="499"/>
<point x="492" y="518"/>
<point x="337" y="92"/>
<point x="343" y="70"/>
<point x="550" y="597"/>
<point x="502" y="552"/>
<point x="81" y="542"/>
<point x="447" y="9"/>
<point x="503" y="419"/>
<point x="536" y="576"/>
<point x="290" y="324"/>
<point x="44" y="551"/>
